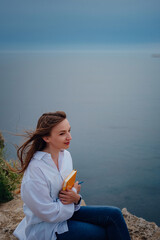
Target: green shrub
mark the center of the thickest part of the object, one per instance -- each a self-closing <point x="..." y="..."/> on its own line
<point x="5" y="188"/>
<point x="9" y="180"/>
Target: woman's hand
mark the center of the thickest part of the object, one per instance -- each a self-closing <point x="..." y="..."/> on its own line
<point x="77" y="187"/>
<point x="68" y="197"/>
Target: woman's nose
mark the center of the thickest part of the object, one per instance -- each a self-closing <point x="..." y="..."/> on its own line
<point x="69" y="137"/>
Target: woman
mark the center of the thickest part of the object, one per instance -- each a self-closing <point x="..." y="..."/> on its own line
<point x="51" y="213"/>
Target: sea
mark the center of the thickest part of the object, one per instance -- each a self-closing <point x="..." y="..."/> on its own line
<point x="112" y="101"/>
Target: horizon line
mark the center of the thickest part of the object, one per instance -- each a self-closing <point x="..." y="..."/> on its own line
<point x="154" y="47"/>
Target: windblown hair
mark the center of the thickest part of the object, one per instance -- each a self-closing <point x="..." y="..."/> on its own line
<point x="35" y="140"/>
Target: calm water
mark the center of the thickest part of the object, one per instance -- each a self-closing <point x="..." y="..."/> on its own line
<point x="113" y="104"/>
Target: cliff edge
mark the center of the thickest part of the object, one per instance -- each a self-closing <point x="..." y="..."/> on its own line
<point x="11" y="214"/>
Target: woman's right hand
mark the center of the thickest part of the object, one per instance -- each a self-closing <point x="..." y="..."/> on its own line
<point x="77" y="187"/>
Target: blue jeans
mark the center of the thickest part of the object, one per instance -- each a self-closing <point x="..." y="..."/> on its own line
<point x="96" y="223"/>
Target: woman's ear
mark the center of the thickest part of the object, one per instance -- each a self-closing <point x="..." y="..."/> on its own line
<point x="46" y="139"/>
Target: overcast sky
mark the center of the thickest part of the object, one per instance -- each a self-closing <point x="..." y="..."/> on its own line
<point x="51" y="23"/>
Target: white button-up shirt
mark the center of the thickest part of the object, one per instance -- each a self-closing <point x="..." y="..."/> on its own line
<point x="44" y="213"/>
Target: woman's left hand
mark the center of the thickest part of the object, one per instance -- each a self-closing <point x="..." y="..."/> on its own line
<point x="69" y="196"/>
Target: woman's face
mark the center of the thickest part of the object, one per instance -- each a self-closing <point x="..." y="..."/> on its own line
<point x="60" y="136"/>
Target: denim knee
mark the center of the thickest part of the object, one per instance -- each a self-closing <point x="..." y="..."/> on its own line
<point x="116" y="213"/>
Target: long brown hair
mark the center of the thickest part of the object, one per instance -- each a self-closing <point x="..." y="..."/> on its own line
<point x="35" y="140"/>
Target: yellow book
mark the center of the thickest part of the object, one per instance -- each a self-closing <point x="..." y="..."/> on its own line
<point x="69" y="180"/>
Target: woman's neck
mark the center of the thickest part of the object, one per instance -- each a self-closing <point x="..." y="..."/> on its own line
<point x="54" y="154"/>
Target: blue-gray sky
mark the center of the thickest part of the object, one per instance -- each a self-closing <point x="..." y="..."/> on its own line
<point x="51" y="23"/>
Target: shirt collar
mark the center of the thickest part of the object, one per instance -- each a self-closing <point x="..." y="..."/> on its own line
<point x="46" y="157"/>
<point x="39" y="155"/>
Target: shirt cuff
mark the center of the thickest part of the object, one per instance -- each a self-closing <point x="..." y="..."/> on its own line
<point x="74" y="189"/>
<point x="77" y="206"/>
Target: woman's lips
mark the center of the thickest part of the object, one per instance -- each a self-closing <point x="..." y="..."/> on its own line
<point x="67" y="143"/>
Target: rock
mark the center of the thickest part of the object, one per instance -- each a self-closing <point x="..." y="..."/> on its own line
<point x="139" y="228"/>
<point x="11" y="213"/>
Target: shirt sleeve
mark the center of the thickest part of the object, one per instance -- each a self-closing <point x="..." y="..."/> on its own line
<point x="77" y="206"/>
<point x="35" y="194"/>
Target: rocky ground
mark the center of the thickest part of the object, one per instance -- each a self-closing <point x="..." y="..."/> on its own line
<point x="11" y="214"/>
<point x="139" y="228"/>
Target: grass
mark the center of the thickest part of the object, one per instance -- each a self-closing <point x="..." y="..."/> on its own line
<point x="9" y="180"/>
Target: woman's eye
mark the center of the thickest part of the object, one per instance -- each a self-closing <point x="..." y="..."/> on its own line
<point x="61" y="134"/>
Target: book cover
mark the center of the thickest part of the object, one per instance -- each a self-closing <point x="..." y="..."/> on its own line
<point x="69" y="180"/>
